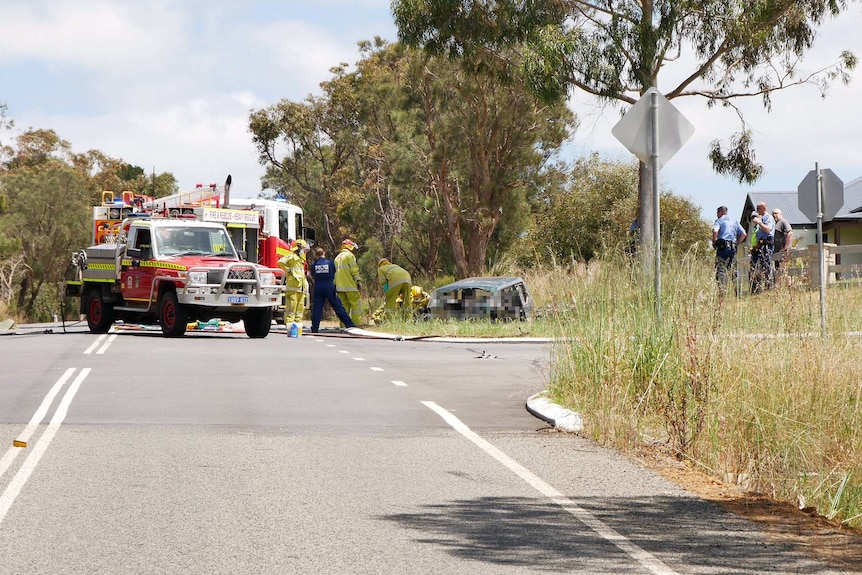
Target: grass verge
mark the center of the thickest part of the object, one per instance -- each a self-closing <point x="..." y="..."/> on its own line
<point x="743" y="388"/>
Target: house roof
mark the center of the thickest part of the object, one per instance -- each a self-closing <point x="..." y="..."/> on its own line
<point x="852" y="200"/>
<point x="788" y="203"/>
<point x="785" y="201"/>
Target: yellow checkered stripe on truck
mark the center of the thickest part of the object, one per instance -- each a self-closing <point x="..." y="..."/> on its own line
<point x="93" y="266"/>
<point x="158" y="265"/>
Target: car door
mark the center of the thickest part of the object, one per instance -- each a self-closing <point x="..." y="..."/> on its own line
<point x="138" y="269"/>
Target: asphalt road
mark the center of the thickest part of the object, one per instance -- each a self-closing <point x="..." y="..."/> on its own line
<point x="216" y="454"/>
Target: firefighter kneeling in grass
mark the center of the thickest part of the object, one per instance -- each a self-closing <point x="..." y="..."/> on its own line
<point x="395" y="282"/>
<point x="296" y="286"/>
<point x="419" y="302"/>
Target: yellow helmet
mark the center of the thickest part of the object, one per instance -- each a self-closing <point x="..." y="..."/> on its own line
<point x="416" y="291"/>
<point x="382" y="262"/>
<point x="297" y="245"/>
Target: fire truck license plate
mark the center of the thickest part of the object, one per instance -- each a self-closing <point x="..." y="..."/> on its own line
<point x="237" y="299"/>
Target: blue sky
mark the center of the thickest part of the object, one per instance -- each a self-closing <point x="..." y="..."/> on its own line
<point x="168" y="85"/>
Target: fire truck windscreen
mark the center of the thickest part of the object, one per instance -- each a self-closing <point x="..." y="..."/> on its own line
<point x="179" y="241"/>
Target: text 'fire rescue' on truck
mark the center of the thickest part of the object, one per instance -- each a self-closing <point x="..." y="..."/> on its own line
<point x="174" y="270"/>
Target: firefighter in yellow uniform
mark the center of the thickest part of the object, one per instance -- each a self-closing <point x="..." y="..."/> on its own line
<point x="395" y="282"/>
<point x="420" y="299"/>
<point x="347" y="283"/>
<point x="296" y="286"/>
<point x="419" y="302"/>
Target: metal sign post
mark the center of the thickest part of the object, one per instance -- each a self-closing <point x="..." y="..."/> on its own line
<point x="820" y="195"/>
<point x="821" y="251"/>
<point x="653" y="115"/>
<point x="655" y="167"/>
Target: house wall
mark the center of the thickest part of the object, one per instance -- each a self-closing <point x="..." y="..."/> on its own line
<point x="850" y="234"/>
<point x="803" y="237"/>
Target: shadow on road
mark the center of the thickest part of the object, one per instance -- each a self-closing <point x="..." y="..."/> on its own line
<point x="678" y="531"/>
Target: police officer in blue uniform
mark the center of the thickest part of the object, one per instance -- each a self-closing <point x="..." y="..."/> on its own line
<point x="762" y="272"/>
<point x="323" y="273"/>
<point x="727" y="234"/>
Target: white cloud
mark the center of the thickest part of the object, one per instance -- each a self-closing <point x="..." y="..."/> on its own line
<point x="92" y="35"/>
<point x="167" y="85"/>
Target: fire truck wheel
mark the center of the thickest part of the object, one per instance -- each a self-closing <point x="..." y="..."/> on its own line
<point x="100" y="315"/>
<point x="257" y="322"/>
<point x="172" y="316"/>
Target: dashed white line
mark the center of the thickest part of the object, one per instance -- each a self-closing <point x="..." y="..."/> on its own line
<point x="648" y="560"/>
<point x="399" y="383"/>
<point x="359" y="359"/>
<point x="376" y="369"/>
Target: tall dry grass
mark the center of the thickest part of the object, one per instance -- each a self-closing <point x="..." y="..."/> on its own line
<point x="744" y="387"/>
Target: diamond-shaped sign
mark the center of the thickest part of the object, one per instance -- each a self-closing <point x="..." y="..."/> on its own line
<point x="633" y="130"/>
<point x="833" y="194"/>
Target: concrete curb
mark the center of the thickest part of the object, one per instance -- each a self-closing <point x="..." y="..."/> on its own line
<point x="358" y="331"/>
<point x="559" y="417"/>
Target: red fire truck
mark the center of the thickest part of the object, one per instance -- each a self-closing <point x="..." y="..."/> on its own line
<point x="175" y="269"/>
<point x="260" y="230"/>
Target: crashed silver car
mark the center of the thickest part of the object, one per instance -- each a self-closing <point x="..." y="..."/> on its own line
<point x="490" y="298"/>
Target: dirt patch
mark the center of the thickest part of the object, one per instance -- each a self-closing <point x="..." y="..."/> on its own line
<point x="825" y="540"/>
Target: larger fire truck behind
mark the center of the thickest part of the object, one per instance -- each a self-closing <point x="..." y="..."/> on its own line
<point x="173" y="270"/>
<point x="280" y="223"/>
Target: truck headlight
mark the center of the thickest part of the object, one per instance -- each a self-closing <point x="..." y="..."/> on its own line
<point x="197" y="277"/>
<point x="267" y="279"/>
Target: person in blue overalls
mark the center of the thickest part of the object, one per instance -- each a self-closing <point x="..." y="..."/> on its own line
<point x="323" y="273"/>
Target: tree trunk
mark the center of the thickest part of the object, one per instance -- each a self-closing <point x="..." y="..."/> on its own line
<point x="453" y="222"/>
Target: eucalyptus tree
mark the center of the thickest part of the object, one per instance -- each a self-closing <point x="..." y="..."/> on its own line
<point x="592" y="211"/>
<point x="429" y="145"/>
<point x="486" y="141"/>
<point x="313" y="144"/>
<point x="47" y="193"/>
<point x="615" y="50"/>
<point x="48" y="213"/>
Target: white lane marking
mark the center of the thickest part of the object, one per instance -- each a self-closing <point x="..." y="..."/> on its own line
<point x="648" y="560"/>
<point x="330" y="345"/>
<point x="343" y="351"/>
<point x="376" y="368"/>
<point x="399" y="383"/>
<point x="107" y="343"/>
<point x="20" y="478"/>
<point x="95" y="344"/>
<point x="359" y="359"/>
<point x="13" y="452"/>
